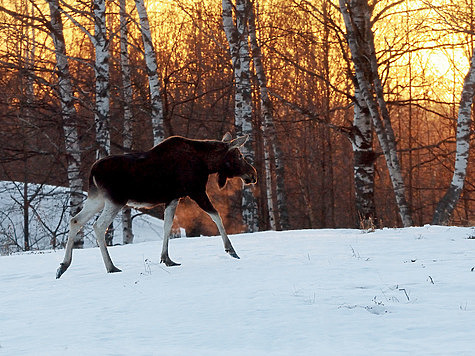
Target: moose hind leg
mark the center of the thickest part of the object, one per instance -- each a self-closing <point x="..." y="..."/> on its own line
<point x="92" y="205"/>
<point x="167" y="229"/>
<point x="100" y="226"/>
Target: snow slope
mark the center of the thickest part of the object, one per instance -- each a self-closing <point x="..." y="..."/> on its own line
<point x="312" y="292"/>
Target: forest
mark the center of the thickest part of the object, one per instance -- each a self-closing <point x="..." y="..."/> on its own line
<point x="359" y="112"/>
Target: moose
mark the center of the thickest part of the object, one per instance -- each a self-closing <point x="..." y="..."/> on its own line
<point x="175" y="168"/>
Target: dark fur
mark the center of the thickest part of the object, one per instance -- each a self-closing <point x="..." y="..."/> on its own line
<point x="175" y="168"/>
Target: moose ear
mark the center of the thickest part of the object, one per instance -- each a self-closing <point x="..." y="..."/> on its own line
<point x="227" y="137"/>
<point x="238" y="142"/>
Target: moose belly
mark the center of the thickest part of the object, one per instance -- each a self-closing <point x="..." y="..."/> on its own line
<point x="139" y="205"/>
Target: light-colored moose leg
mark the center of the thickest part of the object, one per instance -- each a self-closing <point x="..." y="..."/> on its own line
<point x="92" y="205"/>
<point x="167" y="229"/>
<point x="228" y="247"/>
<point x="100" y="226"/>
<point x="204" y="203"/>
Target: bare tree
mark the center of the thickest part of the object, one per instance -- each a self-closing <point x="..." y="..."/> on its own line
<point x="68" y="112"/>
<point x="271" y="142"/>
<point x="447" y="204"/>
<point x="237" y="36"/>
<point x="127" y="232"/>
<point x="357" y="18"/>
<point x="459" y="20"/>
<point x="101" y="69"/>
<point x="363" y="162"/>
<point x="100" y="41"/>
<point x="152" y="73"/>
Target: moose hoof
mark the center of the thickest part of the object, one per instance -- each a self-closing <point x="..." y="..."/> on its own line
<point x="233" y="253"/>
<point x="168" y="262"/>
<point x="114" y="269"/>
<point x="62" y="268"/>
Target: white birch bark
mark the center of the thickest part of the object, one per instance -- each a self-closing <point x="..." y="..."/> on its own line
<point x="101" y="70"/>
<point x="269" y="194"/>
<point x="127" y="231"/>
<point x="152" y="73"/>
<point x="237" y="36"/>
<point x="395" y="168"/>
<point x="356" y="15"/>
<point x="270" y="137"/>
<point x="68" y="113"/>
<point x="447" y="204"/>
<point x="363" y="165"/>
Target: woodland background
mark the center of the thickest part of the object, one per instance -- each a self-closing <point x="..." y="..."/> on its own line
<point x="423" y="52"/>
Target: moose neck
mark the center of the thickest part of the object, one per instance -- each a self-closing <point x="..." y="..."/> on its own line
<point x="213" y="153"/>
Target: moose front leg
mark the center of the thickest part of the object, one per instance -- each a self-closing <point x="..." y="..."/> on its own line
<point x="167" y="229"/>
<point x="228" y="247"/>
<point x="205" y="204"/>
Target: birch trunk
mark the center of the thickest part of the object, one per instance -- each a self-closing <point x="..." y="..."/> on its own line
<point x="101" y="69"/>
<point x="356" y="15"/>
<point x="237" y="36"/>
<point x="395" y="167"/>
<point x="68" y="113"/>
<point x="447" y="204"/>
<point x="270" y="137"/>
<point x="152" y="73"/>
<point x="127" y="231"/>
<point x="363" y="165"/>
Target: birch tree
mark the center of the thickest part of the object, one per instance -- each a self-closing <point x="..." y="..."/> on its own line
<point x="447" y="204"/>
<point x="152" y="73"/>
<point x="357" y="18"/>
<point x="459" y="20"/>
<point x="363" y="162"/>
<point x="101" y="70"/>
<point x="268" y="128"/>
<point x="127" y="232"/>
<point x="100" y="42"/>
<point x="237" y="36"/>
<point x="68" y="112"/>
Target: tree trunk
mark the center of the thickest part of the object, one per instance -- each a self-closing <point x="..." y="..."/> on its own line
<point x="447" y="204"/>
<point x="357" y="18"/>
<point x="237" y="36"/>
<point x="101" y="69"/>
<point x="68" y="112"/>
<point x="127" y="231"/>
<point x="26" y="215"/>
<point x="363" y="164"/>
<point x="152" y="73"/>
<point x="29" y="94"/>
<point x="270" y="137"/>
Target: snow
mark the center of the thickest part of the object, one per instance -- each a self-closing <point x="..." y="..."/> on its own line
<point x="326" y="292"/>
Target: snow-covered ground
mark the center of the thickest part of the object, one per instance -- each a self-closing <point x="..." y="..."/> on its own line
<point x="312" y="292"/>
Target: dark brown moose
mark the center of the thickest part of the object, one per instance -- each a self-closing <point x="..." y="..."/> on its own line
<point x="175" y="168"/>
